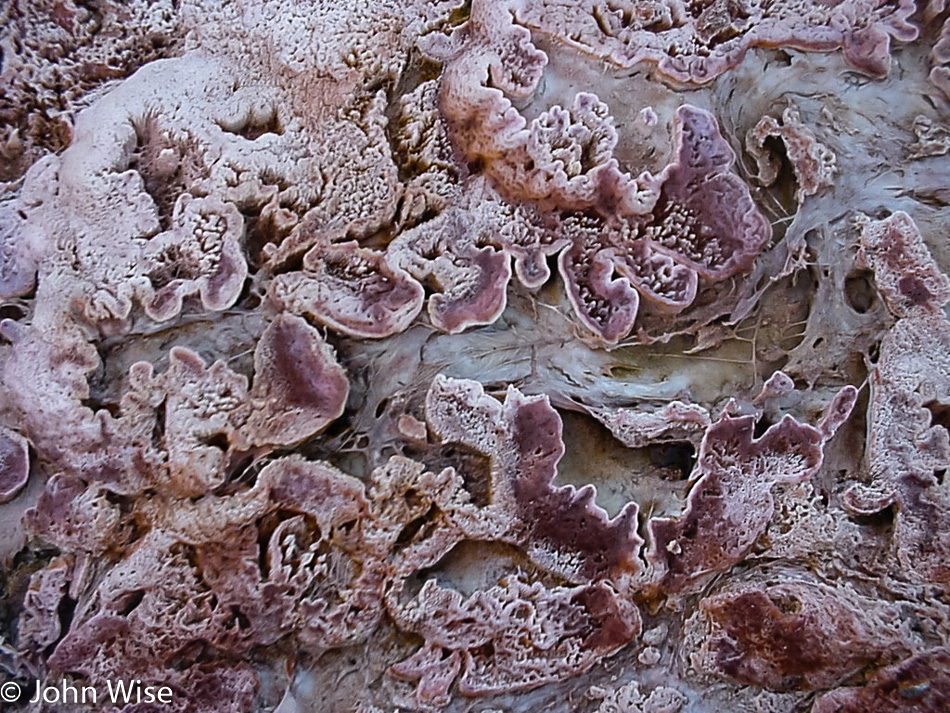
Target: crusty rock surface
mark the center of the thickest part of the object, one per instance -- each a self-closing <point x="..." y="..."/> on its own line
<point x="490" y="355"/>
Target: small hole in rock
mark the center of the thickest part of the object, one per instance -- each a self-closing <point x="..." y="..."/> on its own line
<point x="130" y="601"/>
<point x="859" y="292"/>
<point x="413" y="528"/>
<point x="877" y="521"/>
<point x="783" y="57"/>
<point x="218" y="440"/>
<point x="679" y="457"/>
<point x="13" y="312"/>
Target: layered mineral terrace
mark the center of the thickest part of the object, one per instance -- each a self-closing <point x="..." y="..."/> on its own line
<point x="475" y="355"/>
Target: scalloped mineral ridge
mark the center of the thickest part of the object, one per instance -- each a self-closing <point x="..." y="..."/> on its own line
<point x="488" y="356"/>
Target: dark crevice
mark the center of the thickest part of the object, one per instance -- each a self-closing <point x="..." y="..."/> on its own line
<point x="460" y="15"/>
<point x="238" y="620"/>
<point x="939" y="414"/>
<point x="474" y="467"/>
<point x="783" y="58"/>
<point x="249" y="298"/>
<point x="785" y="185"/>
<point x="413" y="528"/>
<point x="129" y="601"/>
<point x="217" y="440"/>
<point x="882" y="521"/>
<point x="761" y="426"/>
<point x="158" y="430"/>
<point x="676" y="457"/>
<point x="65" y="612"/>
<point x="94" y="404"/>
<point x="13" y="311"/>
<point x="859" y="291"/>
<point x="239" y="473"/>
<point x="259" y="231"/>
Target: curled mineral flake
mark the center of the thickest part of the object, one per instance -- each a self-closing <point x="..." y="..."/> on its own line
<point x="201" y="254"/>
<point x="562" y="528"/>
<point x="730" y="503"/>
<point x="814" y="163"/>
<point x="904" y="270"/>
<point x="795" y="634"/>
<point x="513" y="635"/>
<point x="352" y="290"/>
<point x="298" y="386"/>
<point x="581" y="356"/>
<point x="693" y="43"/>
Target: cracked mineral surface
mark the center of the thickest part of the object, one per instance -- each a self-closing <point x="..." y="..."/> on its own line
<point x="475" y="356"/>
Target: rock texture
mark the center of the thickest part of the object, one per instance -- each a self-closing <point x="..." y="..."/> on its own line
<point x="504" y="355"/>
